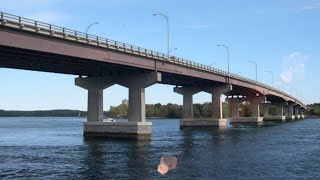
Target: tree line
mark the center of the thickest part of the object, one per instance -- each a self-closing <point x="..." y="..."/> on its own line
<point x="155" y="111"/>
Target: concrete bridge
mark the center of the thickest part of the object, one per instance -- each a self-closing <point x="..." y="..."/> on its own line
<point x="101" y="63"/>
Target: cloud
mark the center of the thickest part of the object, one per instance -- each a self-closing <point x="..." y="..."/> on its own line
<point x="202" y="26"/>
<point x="293" y="66"/>
<point x="314" y="6"/>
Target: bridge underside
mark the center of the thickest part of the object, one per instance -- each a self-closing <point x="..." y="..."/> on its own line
<point x="46" y="62"/>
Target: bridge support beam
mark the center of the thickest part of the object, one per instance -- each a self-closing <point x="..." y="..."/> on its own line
<point x="187" y="93"/>
<point x="279" y="117"/>
<point x="301" y="114"/>
<point x="255" y="108"/>
<point x="234" y="107"/>
<point x="136" y="128"/>
<point x="95" y="87"/>
<point x="216" y="119"/>
<point x="266" y="109"/>
<point x="297" y="112"/>
<point x="289" y="112"/>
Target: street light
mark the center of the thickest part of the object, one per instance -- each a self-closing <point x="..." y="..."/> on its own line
<point x="271" y="76"/>
<point x="227" y="48"/>
<point x="256" y="66"/>
<point x="174" y="49"/>
<point x="89" y="26"/>
<point x="167" y="19"/>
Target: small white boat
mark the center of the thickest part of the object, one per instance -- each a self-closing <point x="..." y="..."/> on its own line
<point x="109" y="120"/>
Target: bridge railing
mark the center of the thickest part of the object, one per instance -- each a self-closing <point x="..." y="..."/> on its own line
<point x="57" y="31"/>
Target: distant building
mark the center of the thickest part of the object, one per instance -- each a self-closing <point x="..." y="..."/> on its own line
<point x="125" y="102"/>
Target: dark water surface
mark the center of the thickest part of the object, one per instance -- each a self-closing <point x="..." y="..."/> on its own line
<point x="53" y="148"/>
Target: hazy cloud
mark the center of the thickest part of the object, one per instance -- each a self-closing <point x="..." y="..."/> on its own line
<point x="313" y="6"/>
<point x="293" y="66"/>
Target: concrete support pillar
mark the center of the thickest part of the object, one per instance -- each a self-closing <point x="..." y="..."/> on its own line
<point x="216" y="106"/>
<point x="137" y="108"/>
<point x="216" y="93"/>
<point x="95" y="105"/>
<point x="290" y="110"/>
<point x="301" y="114"/>
<point x="136" y="127"/>
<point x="95" y="87"/>
<point x="289" y="115"/>
<point x="216" y="120"/>
<point x="297" y="112"/>
<point x="279" y="116"/>
<point x="234" y="107"/>
<point x="280" y="110"/>
<point x="255" y="108"/>
<point x="266" y="107"/>
<point x="188" y="106"/>
<point x="187" y="93"/>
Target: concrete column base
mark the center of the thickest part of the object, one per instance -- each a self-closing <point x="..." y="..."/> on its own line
<point x="203" y="123"/>
<point x="290" y="118"/>
<point x="275" y="118"/>
<point x="297" y="117"/>
<point x="301" y="116"/>
<point x="123" y="130"/>
<point x="246" y="120"/>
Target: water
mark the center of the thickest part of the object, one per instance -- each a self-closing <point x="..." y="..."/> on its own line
<point x="53" y="148"/>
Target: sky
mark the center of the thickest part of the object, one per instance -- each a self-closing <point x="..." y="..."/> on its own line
<point x="281" y="36"/>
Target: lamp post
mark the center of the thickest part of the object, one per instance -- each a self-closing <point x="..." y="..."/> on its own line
<point x="227" y="48"/>
<point x="174" y="49"/>
<point x="271" y="77"/>
<point x="256" y="67"/>
<point x="89" y="26"/>
<point x="167" y="19"/>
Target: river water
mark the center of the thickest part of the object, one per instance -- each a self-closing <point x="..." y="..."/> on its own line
<point x="54" y="148"/>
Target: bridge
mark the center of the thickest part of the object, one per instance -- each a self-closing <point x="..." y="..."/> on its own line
<point x="100" y="63"/>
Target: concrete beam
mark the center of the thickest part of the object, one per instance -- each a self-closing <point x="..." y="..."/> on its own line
<point x="95" y="87"/>
<point x="255" y="104"/>
<point x="139" y="80"/>
<point x="137" y="85"/>
<point x="187" y="93"/>
<point x="136" y="128"/>
<point x="216" y="93"/>
<point x="266" y="109"/>
<point x="234" y="106"/>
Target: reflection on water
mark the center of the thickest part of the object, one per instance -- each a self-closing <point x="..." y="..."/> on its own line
<point x="54" y="148"/>
<point x="167" y="163"/>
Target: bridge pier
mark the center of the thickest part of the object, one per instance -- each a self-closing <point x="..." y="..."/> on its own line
<point x="289" y="112"/>
<point x="234" y="107"/>
<point x="296" y="112"/>
<point x="255" y="108"/>
<point x="95" y="87"/>
<point x="216" y="120"/>
<point x="301" y="114"/>
<point x="279" y="116"/>
<point x="136" y="128"/>
<point x="266" y="110"/>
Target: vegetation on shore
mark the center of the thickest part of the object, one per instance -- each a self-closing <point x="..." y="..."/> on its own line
<point x="152" y="111"/>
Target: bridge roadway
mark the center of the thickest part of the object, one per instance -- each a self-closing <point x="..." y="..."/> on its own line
<point x="101" y="63"/>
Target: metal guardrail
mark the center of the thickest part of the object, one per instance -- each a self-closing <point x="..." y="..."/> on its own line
<point x="61" y="32"/>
